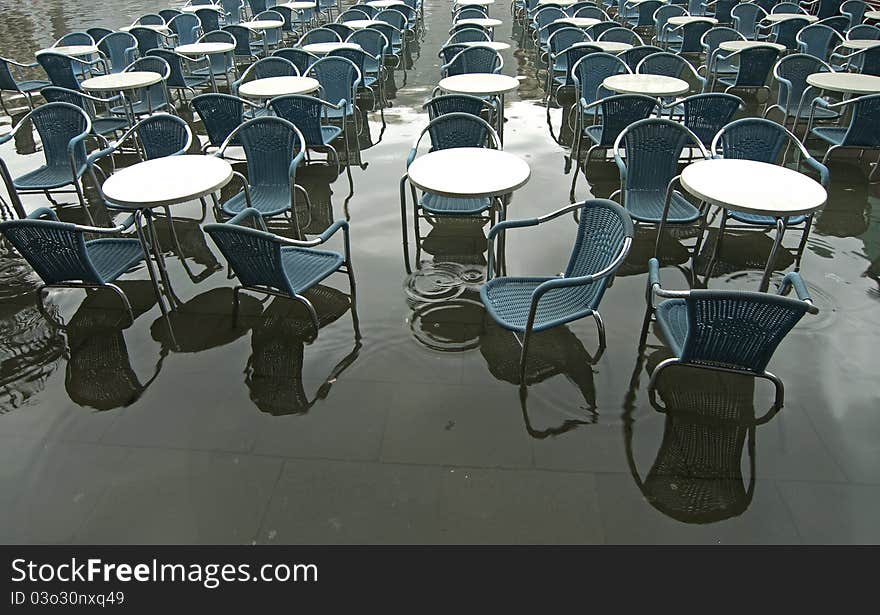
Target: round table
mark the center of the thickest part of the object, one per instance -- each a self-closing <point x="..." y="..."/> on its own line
<point x="204" y="49"/>
<point x="383" y="4"/>
<point x="682" y="20"/>
<point x="298" y="6"/>
<point x="270" y="87"/>
<point x="320" y="49"/>
<point x="757" y="188"/>
<point x="845" y="83"/>
<point x="740" y="45"/>
<point x="557" y="2"/>
<point x="122" y="82"/>
<point x="360" y="24"/>
<point x="469" y="2"/>
<point x="872" y="15"/>
<point x="496" y="45"/>
<point x="487" y="23"/>
<point x="777" y="17"/>
<point x="193" y="8"/>
<point x="482" y="84"/>
<point x="261" y="25"/>
<point x="578" y="22"/>
<point x="75" y="51"/>
<point x="649" y="85"/>
<point x="610" y="46"/>
<point x="163" y="182"/>
<point x="469" y="172"/>
<point x="859" y="44"/>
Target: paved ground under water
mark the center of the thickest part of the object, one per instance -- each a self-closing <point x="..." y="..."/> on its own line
<point x="416" y="431"/>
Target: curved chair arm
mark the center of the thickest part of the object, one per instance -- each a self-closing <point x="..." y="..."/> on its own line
<point x="245" y="214"/>
<point x="71" y="154"/>
<point x="821" y="169"/>
<point x="793" y="279"/>
<point x="45" y="212"/>
<point x="655" y="289"/>
<point x="20" y="64"/>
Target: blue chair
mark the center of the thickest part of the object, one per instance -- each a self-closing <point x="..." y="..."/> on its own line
<point x="746" y="17"/>
<point x="273" y="148"/>
<point x="211" y="19"/>
<point x="791" y="74"/>
<point x="187" y="27"/>
<point x="274" y="265"/>
<point x="63" y="129"/>
<point x="468" y="35"/>
<point x="822" y="8"/>
<point x="691" y="36"/>
<point x="785" y="32"/>
<point x="447" y="131"/>
<point x="340" y="28"/>
<point x="711" y="41"/>
<point x="232" y="11"/>
<point x="764" y="141"/>
<point x="119" y="49"/>
<point x="98" y="32"/>
<point x="339" y="79"/>
<point x="621" y="35"/>
<point x="600" y="28"/>
<point x="588" y="73"/>
<point x="169" y="14"/>
<point x="62" y="257"/>
<point x="66" y="71"/>
<point x="558" y="42"/>
<point x="395" y="44"/>
<point x="610" y="116"/>
<point x="149" y="19"/>
<point x="473" y="59"/>
<point x="706" y="114"/>
<point x="258" y="6"/>
<point x="75" y="38"/>
<point x="818" y="40"/>
<point x="644" y="15"/>
<point x="13" y="80"/>
<point x="864" y="61"/>
<point x="318" y="35"/>
<point x="264" y="68"/>
<point x="147" y="101"/>
<point x="457" y="103"/>
<point x="653" y="148"/>
<point x="221" y="114"/>
<point x="855" y="11"/>
<point x="353" y="14"/>
<point x="448" y="52"/>
<point x="662" y="35"/>
<point x="248" y="47"/>
<point x="632" y="57"/>
<point x="754" y="65"/>
<point x="149" y="39"/>
<point x="534" y="304"/>
<point x="376" y="47"/>
<point x="669" y="65"/>
<point x="720" y="10"/>
<point x="221" y="64"/>
<point x="180" y="77"/>
<point x="728" y="330"/>
<point x="863" y="131"/>
<point x="102" y="125"/>
<point x="271" y="37"/>
<point x="838" y="23"/>
<point x="298" y="57"/>
<point x="369" y="80"/>
<point x="309" y="115"/>
<point x="543" y="18"/>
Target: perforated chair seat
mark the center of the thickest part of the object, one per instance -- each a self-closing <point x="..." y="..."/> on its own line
<point x="832" y="134"/>
<point x="306" y="267"/>
<point x="436" y="204"/>
<point x="108" y="125"/>
<point x="329" y="133"/>
<point x="32" y="85"/>
<point x="46" y="178"/>
<point x="268" y="200"/>
<point x="759" y="220"/>
<point x="672" y="318"/>
<point x="647" y="206"/>
<point x="508" y="299"/>
<point x="113" y="257"/>
<point x="345" y="111"/>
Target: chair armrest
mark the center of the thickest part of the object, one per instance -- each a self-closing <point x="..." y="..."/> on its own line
<point x="101" y="153"/>
<point x="794" y="280"/>
<point x="43" y="212"/>
<point x="506" y="224"/>
<point x="654" y="273"/>
<point x="323" y="237"/>
<point x="411" y="156"/>
<point x="244" y="215"/>
<point x="824" y="175"/>
<point x="22" y="64"/>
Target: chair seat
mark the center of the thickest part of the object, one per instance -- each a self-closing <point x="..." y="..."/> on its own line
<point x="113" y="257"/>
<point x="647" y="206"/>
<point x="108" y="125"/>
<point x="446" y="205"/>
<point x="819" y="113"/>
<point x="329" y="133"/>
<point x="344" y="112"/>
<point x="508" y="301"/>
<point x="759" y="220"/>
<point x="141" y="107"/>
<point x="672" y="318"/>
<point x="47" y="178"/>
<point x="32" y="85"/>
<point x="305" y="267"/>
<point x="268" y="200"/>
<point x="832" y="134"/>
<point x="194" y="80"/>
<point x="594" y="133"/>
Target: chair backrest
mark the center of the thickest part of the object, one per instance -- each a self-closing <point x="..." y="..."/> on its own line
<point x="468" y="35"/>
<point x="365" y="8"/>
<point x="319" y="35"/>
<point x="653" y="148"/>
<point x="840" y="23"/>
<point x="591" y="70"/>
<point x="59" y="69"/>
<point x="706" y="114"/>
<point x="210" y="19"/>
<point x="596" y="31"/>
<point x="254" y="255"/>
<point x="645" y="13"/>
<point x="273" y="66"/>
<point x="475" y="59"/>
<point x="358" y="57"/>
<point x="232" y="10"/>
<point x="621" y="35"/>
<point x="75" y="38"/>
<point x="470" y="12"/>
<point x="340" y="28"/>
<point x="738" y="329"/>
<point x="792" y="8"/>
<point x="448" y="52"/>
<point x="692" y="36"/>
<point x="392" y="34"/>
<point x="186" y="26"/>
<point x="169" y="14"/>
<point x="662" y="15"/>
<point x="870" y="61"/>
<point x="353" y="14"/>
<point x="855" y="10"/>
<point x="258" y="6"/>
<point x="746" y="16"/>
<point x="157" y="93"/>
<point x="753" y="138"/>
<point x="7" y="79"/>
<point x="270" y="145"/>
<point x="817" y="40"/>
<point x="392" y="17"/>
<point x="829" y="8"/>
<point x="372" y="41"/>
<point x="620" y="111"/>
<point x="120" y="49"/>
<point x="147" y="39"/>
<point x="176" y="78"/>
<point x="755" y="64"/>
<point x="722" y="10"/>
<point x="220" y="115"/>
<point x="271" y="36"/>
<point x="454" y="103"/>
<point x="304" y="112"/>
<point x="663" y="63"/>
<point x="339" y="78"/>
<point x="298" y="57"/>
<point x="162" y="134"/>
<point x="565" y="37"/>
<point x="591" y="12"/>
<point x="452" y="130"/>
<point x="864" y="124"/>
<point x="150" y="19"/>
<point x="242" y="37"/>
<point x="98" y="32"/>
<point x="791" y="72"/>
<point x="547" y="16"/>
<point x="603" y="229"/>
<point x="863" y="32"/>
<point x="56" y="250"/>
<point x="633" y="56"/>
<point x="717" y="35"/>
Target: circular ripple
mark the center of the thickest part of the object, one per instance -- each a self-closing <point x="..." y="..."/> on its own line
<point x="434" y="282"/>
<point x="451" y="326"/>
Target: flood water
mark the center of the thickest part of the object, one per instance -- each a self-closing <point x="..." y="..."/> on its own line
<point x="414" y="430"/>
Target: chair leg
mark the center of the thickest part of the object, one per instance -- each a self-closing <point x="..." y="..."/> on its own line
<point x="312" y="313"/>
<point x="82" y="201"/>
<point x="125" y="301"/>
<point x="42" y="308"/>
<point x="523" y="357"/>
<point x="780" y="388"/>
<point x="653" y="382"/>
<point x="601" y="327"/>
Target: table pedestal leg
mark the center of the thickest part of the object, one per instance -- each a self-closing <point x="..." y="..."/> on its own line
<point x="140" y="226"/>
<point x="153" y="238"/>
<point x="780" y="232"/>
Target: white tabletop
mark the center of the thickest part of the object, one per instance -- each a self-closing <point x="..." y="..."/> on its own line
<point x="845" y="83"/>
<point x="72" y="50"/>
<point x="740" y="45"/>
<point x="483" y="23"/>
<point x="479" y="84"/>
<point x="262" y="24"/>
<point x="472" y="172"/>
<point x="470" y="2"/>
<point x="116" y="82"/>
<point x="680" y="20"/>
<point x="270" y="87"/>
<point x="649" y="85"/>
<point x="298" y="6"/>
<point x="557" y="2"/>
<point x="383" y="4"/>
<point x="637" y="2"/>
<point x="610" y="46"/>
<point x="147" y="26"/>
<point x="753" y="187"/>
<point x="579" y="22"/>
<point x="496" y="45"/>
<point x="167" y="181"/>
<point x="360" y="24"/>
<point x="860" y="44"/>
<point x="193" y="9"/>
<point x="875" y="15"/>
<point x="325" y="48"/>
<point x="204" y="49"/>
<point x="777" y="17"/>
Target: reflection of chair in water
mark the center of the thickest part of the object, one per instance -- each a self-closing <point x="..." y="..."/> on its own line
<point x="697" y="474"/>
<point x="274" y="369"/>
<point x="99" y="371"/>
